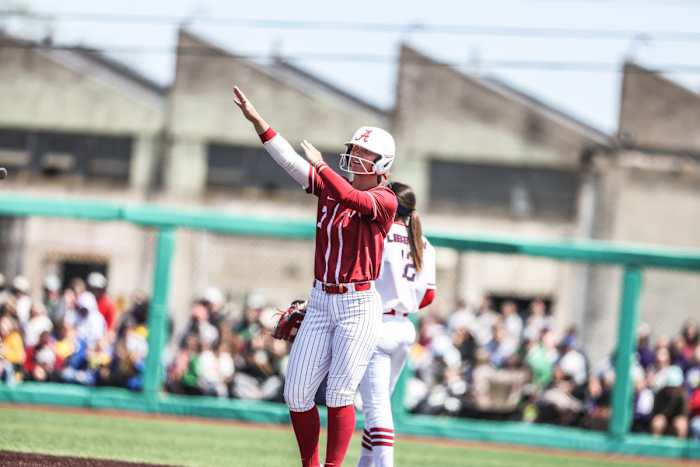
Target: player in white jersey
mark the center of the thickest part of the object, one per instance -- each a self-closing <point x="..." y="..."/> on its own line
<point x="406" y="284"/>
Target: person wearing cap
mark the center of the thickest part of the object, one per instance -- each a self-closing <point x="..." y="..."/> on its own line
<point x="214" y="300"/>
<point x="97" y="284"/>
<point x="20" y="290"/>
<point x="89" y="324"/>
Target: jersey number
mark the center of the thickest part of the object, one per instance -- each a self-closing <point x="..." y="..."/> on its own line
<point x="409" y="271"/>
<point x="324" y="213"/>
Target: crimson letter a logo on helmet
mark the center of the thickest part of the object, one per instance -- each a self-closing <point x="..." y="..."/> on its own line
<point x="364" y="136"/>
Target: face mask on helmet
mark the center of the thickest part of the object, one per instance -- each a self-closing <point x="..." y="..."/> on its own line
<point x="359" y="166"/>
<point x="356" y="164"/>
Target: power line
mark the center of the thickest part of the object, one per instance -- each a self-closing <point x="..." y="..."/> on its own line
<point x="360" y="26"/>
<point x="534" y="65"/>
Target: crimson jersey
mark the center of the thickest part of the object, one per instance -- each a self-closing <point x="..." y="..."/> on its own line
<point x="350" y="227"/>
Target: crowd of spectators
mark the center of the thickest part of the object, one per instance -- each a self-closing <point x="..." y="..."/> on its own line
<point x="508" y="363"/>
<point x="229" y="354"/>
<point x="72" y="335"/>
<point x="512" y="364"/>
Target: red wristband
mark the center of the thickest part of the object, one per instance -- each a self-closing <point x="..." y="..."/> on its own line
<point x="267" y="135"/>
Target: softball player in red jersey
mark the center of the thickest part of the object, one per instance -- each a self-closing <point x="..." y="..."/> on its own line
<point x="406" y="283"/>
<point x="344" y="314"/>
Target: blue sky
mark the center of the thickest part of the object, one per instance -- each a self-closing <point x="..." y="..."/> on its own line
<point x="590" y="96"/>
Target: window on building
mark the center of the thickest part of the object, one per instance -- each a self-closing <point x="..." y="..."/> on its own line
<point x="53" y="154"/>
<point x="14" y="150"/>
<point x="80" y="268"/>
<point x="236" y="167"/>
<point x="503" y="190"/>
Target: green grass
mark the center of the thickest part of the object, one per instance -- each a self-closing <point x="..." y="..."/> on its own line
<point x="195" y="443"/>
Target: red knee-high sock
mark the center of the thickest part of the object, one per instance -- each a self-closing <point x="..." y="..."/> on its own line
<point x="307" y="427"/>
<point x="341" y="424"/>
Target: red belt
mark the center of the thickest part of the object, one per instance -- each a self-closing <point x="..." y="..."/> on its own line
<point x="395" y="313"/>
<point x="344" y="288"/>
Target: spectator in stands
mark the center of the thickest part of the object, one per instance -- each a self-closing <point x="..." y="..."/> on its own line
<point x="461" y="318"/>
<point x="249" y="325"/>
<point x="51" y="296"/>
<point x="537" y="320"/>
<point x="512" y="322"/>
<point x="23" y="302"/>
<point x="38" y="323"/>
<point x="199" y="324"/>
<point x="465" y="343"/>
<point x="541" y="357"/>
<point x="558" y="403"/>
<point x="643" y="401"/>
<point x="645" y="354"/>
<point x="216" y="370"/>
<point x="484" y="320"/>
<point x="573" y="363"/>
<point x="89" y="324"/>
<point x="214" y="301"/>
<point x="65" y="344"/>
<point x="137" y="314"/>
<point x="41" y="359"/>
<point x="186" y="371"/>
<point x="501" y="346"/>
<point x="66" y="306"/>
<point x="12" y="353"/>
<point x="97" y="284"/>
<point x="690" y="339"/>
<point x="670" y="412"/>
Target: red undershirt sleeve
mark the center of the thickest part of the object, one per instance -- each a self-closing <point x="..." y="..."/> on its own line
<point x="427" y="298"/>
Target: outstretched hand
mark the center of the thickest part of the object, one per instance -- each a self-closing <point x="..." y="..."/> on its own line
<point x="249" y="111"/>
<point x="312" y="154"/>
<point x="245" y="105"/>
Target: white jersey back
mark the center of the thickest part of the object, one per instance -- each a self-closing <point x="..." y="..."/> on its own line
<point x="402" y="287"/>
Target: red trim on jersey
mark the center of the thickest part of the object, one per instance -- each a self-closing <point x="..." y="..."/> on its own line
<point x="383" y="444"/>
<point x="366" y="446"/>
<point x="267" y="135"/>
<point x="427" y="298"/>
<point x="387" y="437"/>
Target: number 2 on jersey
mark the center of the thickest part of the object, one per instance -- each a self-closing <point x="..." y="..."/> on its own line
<point x="409" y="271"/>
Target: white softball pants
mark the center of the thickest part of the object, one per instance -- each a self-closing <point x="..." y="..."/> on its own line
<point x="337" y="337"/>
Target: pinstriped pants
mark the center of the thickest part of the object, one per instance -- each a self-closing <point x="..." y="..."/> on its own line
<point x="337" y="337"/>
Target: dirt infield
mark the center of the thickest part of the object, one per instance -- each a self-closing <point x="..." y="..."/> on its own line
<point x="21" y="459"/>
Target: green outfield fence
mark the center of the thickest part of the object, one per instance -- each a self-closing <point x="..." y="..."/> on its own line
<point x="165" y="221"/>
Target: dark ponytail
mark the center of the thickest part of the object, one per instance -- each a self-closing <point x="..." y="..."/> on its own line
<point x="406" y="211"/>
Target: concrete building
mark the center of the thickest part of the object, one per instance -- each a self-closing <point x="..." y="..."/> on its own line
<point x="486" y="157"/>
<point x="482" y="156"/>
<point x="647" y="191"/>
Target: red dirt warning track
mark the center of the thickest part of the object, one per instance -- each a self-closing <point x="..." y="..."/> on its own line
<point x="21" y="459"/>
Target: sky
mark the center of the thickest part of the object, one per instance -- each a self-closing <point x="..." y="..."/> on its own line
<point x="590" y="96"/>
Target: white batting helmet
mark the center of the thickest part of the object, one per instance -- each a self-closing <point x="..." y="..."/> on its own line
<point x="375" y="140"/>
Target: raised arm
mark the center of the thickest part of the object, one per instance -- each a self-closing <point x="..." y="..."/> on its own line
<point x="281" y="151"/>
